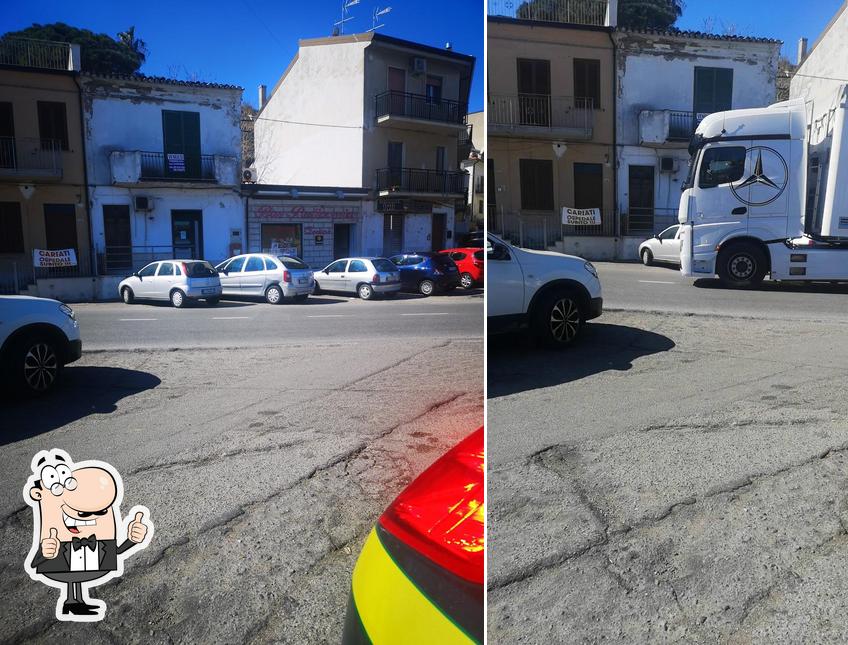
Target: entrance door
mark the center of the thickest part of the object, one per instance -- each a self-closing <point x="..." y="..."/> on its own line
<point x="392" y="234"/>
<point x="397" y="87"/>
<point x="118" y="237"/>
<point x="187" y="228"/>
<point x="438" y="234"/>
<point x="534" y="92"/>
<point x="60" y="226"/>
<point x="341" y="241"/>
<point x="640" y="188"/>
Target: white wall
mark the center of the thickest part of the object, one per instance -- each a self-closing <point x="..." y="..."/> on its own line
<point x="324" y="87"/>
<point x="658" y="73"/>
<point x="828" y="59"/>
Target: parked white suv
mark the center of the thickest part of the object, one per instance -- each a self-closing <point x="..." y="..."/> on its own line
<point x="551" y="293"/>
<point x="38" y="337"/>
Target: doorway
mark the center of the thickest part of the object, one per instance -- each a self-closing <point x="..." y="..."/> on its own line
<point x="438" y="232"/>
<point x="392" y="234"/>
<point x="640" y="188"/>
<point x="341" y="241"/>
<point x="118" y="237"/>
<point x="60" y="226"/>
<point x="187" y="229"/>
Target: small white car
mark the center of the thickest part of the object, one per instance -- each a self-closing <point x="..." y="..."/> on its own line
<point x="663" y="247"/>
<point x="38" y="337"/>
<point x="276" y="278"/>
<point x="551" y="293"/>
<point x="176" y="280"/>
<point x="362" y="276"/>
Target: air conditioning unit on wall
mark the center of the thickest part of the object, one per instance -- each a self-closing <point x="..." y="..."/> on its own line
<point x="668" y="164"/>
<point x="248" y="175"/>
<point x="418" y="66"/>
<point x="142" y="203"/>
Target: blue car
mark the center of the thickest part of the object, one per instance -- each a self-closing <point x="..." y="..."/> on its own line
<point x="427" y="273"/>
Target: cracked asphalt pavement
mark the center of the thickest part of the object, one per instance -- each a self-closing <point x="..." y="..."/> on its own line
<point x="264" y="463"/>
<point x="680" y="476"/>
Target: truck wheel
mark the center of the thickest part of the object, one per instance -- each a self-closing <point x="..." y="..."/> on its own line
<point x="741" y="265"/>
<point x="647" y="257"/>
<point x="557" y="319"/>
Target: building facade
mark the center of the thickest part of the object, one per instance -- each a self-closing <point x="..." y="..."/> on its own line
<point x="550" y="120"/>
<point x="666" y="83"/>
<point x="163" y="160"/>
<point x="378" y="113"/>
<point x="42" y="168"/>
<point x="473" y="160"/>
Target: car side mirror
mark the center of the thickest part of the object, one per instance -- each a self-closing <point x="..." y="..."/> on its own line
<point x="224" y="271"/>
<point x="137" y="275"/>
<point x="327" y="271"/>
<point x="500" y="252"/>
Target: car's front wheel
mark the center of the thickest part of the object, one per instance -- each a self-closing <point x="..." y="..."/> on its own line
<point x="35" y="364"/>
<point x="273" y="295"/>
<point x="178" y="299"/>
<point x="467" y="281"/>
<point x="127" y="295"/>
<point x="558" y="320"/>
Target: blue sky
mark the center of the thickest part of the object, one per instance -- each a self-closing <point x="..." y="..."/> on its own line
<point x="786" y="20"/>
<point x="248" y="42"/>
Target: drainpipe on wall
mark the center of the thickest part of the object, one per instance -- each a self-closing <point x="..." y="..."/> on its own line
<point x="615" y="214"/>
<point x="245" y="246"/>
<point x="92" y="256"/>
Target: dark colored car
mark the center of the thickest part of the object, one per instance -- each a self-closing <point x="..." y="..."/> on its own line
<point x="427" y="272"/>
<point x="419" y="578"/>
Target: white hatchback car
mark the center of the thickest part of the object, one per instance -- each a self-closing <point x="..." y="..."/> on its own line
<point x="663" y="247"/>
<point x="176" y="280"/>
<point x="362" y="276"/>
<point x="38" y="337"/>
<point x="276" y="278"/>
<point x="551" y="293"/>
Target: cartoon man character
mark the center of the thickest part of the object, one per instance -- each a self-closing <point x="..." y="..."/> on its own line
<point x="76" y="511"/>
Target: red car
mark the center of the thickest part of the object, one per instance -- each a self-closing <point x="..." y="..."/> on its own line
<point x="470" y="263"/>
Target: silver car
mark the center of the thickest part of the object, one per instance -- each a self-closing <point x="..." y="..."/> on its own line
<point x="276" y="278"/>
<point x="176" y="280"/>
<point x="663" y="247"/>
<point x="362" y="276"/>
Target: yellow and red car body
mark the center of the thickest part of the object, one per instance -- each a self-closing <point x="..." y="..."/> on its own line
<point x="419" y="578"/>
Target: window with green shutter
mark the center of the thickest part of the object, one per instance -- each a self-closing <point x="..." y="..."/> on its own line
<point x="713" y="90"/>
<point x="181" y="135"/>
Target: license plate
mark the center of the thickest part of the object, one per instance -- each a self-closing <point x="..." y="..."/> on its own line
<point x="301" y="280"/>
<point x="209" y="290"/>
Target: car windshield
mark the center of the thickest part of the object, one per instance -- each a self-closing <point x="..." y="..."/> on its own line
<point x="200" y="270"/>
<point x="292" y="263"/>
<point x="383" y="265"/>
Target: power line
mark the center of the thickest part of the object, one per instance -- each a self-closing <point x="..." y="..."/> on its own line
<point x="317" y="125"/>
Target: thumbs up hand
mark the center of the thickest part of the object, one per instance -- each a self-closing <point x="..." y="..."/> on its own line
<point x="137" y="531"/>
<point x="50" y="545"/>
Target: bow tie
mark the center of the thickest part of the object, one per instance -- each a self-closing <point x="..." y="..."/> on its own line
<point x="90" y="542"/>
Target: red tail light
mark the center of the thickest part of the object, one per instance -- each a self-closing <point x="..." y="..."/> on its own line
<point x="286" y="276"/>
<point x="375" y="279"/>
<point x="441" y="513"/>
<point x="185" y="271"/>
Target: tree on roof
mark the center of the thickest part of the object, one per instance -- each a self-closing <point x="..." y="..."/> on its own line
<point x="101" y="54"/>
<point x="632" y="14"/>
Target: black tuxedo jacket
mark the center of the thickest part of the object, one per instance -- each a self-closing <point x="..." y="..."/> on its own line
<point x="108" y="552"/>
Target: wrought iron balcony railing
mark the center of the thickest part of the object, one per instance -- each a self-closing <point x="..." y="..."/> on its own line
<point x="42" y="54"/>
<point x="21" y="155"/>
<point x="576" y="12"/>
<point x="541" y="110"/>
<point x="418" y="180"/>
<point x="419" y="106"/>
<point x="682" y="125"/>
<point x="159" y="166"/>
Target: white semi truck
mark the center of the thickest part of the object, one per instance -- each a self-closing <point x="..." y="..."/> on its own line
<point x="761" y="199"/>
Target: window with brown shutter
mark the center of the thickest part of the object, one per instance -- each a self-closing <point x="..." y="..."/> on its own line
<point x="52" y="124"/>
<point x="587" y="82"/>
<point x="537" y="184"/>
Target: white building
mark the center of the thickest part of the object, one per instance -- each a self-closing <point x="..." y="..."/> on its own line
<point x="163" y="164"/>
<point x="474" y="163"/>
<point x="666" y="82"/>
<point x="373" y="112"/>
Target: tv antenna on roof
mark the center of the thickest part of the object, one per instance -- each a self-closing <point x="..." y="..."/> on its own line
<point x="346" y="5"/>
<point x="375" y="17"/>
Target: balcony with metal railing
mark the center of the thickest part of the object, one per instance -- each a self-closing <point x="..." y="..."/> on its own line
<point x="421" y="182"/>
<point x="540" y="116"/>
<point x="134" y="167"/>
<point x="30" y="158"/>
<point x="575" y="12"/>
<point x="672" y="128"/>
<point x="419" y="112"/>
<point x="39" y="54"/>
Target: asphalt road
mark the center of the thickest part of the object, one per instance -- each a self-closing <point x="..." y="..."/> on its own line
<point x="631" y="286"/>
<point x="680" y="476"/>
<point x="265" y="446"/>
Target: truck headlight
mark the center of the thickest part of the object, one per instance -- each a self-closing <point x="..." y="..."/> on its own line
<point x="65" y="309"/>
<point x="590" y="268"/>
